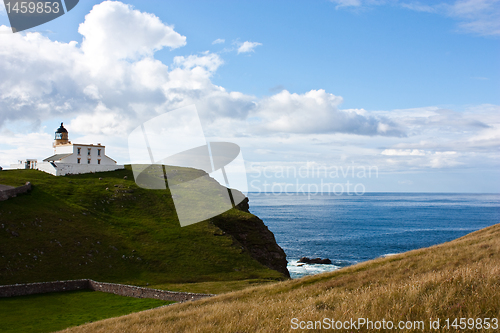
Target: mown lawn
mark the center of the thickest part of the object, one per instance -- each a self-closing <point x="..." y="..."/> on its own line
<point x="55" y="311"/>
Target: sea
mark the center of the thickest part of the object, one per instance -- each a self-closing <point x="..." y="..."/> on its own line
<point x="348" y="229"/>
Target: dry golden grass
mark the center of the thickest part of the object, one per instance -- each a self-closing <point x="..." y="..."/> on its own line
<point x="459" y="279"/>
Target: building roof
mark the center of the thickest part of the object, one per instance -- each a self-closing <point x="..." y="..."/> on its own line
<point x="88" y="145"/>
<point x="61" y="129"/>
<point x="56" y="157"/>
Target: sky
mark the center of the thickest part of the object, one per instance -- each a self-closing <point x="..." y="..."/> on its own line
<point x="314" y="92"/>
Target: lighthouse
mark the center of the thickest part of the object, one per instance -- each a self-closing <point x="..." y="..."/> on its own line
<point x="73" y="158"/>
<point x="61" y="137"/>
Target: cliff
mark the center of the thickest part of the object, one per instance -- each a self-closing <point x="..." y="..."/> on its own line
<point x="104" y="227"/>
<point x="256" y="238"/>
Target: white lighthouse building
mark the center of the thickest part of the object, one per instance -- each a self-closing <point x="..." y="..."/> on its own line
<point x="72" y="158"/>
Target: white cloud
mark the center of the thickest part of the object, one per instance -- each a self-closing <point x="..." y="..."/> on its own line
<point x="444" y="138"/>
<point x="475" y="16"/>
<point x="444" y="159"/>
<point x="347" y="3"/>
<point x="219" y="41"/>
<point x="16" y="146"/>
<point x="419" y="7"/>
<point x="403" y="152"/>
<point x="92" y="91"/>
<point x="411" y="160"/>
<point x="113" y="30"/>
<point x="105" y="95"/>
<point x="37" y="76"/>
<point x="360" y="3"/>
<point x="248" y="47"/>
<point x="316" y="112"/>
<point x="209" y="62"/>
<point x="102" y="120"/>
<point x="102" y="96"/>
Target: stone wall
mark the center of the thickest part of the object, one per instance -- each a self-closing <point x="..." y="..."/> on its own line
<point x="11" y="193"/>
<point x="140" y="292"/>
<point x="113" y="288"/>
<point x="42" y="287"/>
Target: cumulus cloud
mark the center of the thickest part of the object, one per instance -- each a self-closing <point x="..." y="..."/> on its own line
<point x="131" y="86"/>
<point x="113" y="30"/>
<point x="317" y="112"/>
<point x="209" y="62"/>
<point x="37" y="76"/>
<point x="104" y="93"/>
<point x="16" y="146"/>
<point x="218" y="41"/>
<point x="42" y="79"/>
<point x="248" y="47"/>
<point x="111" y="82"/>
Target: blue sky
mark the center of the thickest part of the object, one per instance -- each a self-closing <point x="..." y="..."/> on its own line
<point x="410" y="87"/>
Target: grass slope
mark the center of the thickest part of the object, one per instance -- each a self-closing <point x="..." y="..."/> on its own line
<point x="459" y="279"/>
<point x="55" y="311"/>
<point x="111" y="230"/>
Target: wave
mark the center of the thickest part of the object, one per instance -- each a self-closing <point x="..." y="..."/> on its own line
<point x="298" y="270"/>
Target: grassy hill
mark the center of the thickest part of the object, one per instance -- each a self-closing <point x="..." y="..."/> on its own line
<point x="111" y="230"/>
<point x="459" y="279"/>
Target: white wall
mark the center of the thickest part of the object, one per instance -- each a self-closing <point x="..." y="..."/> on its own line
<point x="22" y="164"/>
<point x="63" y="169"/>
<point x="84" y="157"/>
<point x="18" y="166"/>
<point x="47" y="167"/>
<point x="64" y="149"/>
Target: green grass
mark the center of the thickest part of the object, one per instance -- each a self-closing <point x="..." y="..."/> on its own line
<point x="111" y="230"/>
<point x="458" y="279"/>
<point x="56" y="311"/>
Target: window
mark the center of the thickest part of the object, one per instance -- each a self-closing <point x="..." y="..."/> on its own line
<point x="98" y="152"/>
<point x="88" y="151"/>
<point x="78" y="160"/>
<point x="98" y="161"/>
<point x="88" y="161"/>
<point x="79" y="151"/>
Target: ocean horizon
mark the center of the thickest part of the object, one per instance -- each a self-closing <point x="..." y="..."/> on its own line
<point x="348" y="229"/>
